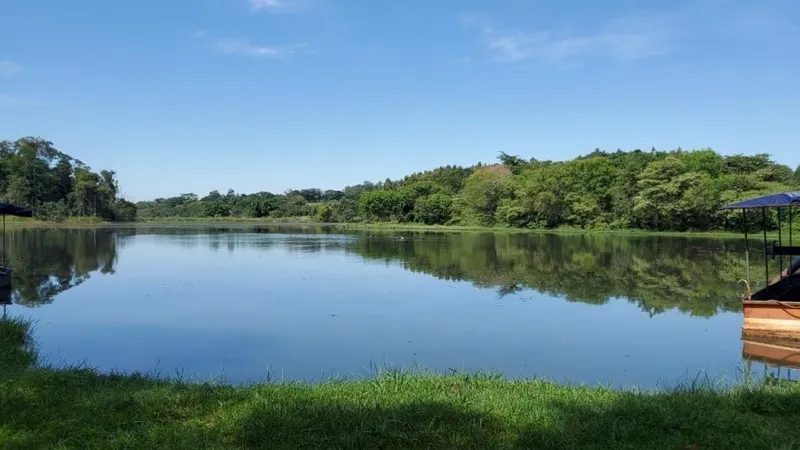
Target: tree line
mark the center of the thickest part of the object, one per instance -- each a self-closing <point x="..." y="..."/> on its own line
<point x="33" y="173"/>
<point x="674" y="190"/>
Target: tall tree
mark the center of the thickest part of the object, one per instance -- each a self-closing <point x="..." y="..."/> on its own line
<point x="514" y="163"/>
<point x="34" y="173"/>
<point x="483" y="192"/>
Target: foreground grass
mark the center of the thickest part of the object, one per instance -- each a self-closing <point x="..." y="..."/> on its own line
<point x="80" y="408"/>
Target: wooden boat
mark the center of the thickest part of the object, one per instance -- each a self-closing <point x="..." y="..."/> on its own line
<point x="773" y="312"/>
<point x="11" y="210"/>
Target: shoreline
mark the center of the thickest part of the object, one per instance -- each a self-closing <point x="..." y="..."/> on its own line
<point x="375" y="227"/>
<point x="48" y="407"/>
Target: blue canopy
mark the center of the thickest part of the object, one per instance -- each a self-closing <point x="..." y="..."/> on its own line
<point x="768" y="201"/>
<point x="14" y="210"/>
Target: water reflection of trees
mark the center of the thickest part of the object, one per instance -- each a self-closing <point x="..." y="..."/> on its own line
<point x="238" y="237"/>
<point x="696" y="276"/>
<point x="47" y="262"/>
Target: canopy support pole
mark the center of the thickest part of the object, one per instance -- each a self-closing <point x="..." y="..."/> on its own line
<point x="766" y="256"/>
<point x="746" y="246"/>
<point x="780" y="241"/>
<point x="791" y="257"/>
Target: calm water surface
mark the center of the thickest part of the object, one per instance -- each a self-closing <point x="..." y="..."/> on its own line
<point x="242" y="303"/>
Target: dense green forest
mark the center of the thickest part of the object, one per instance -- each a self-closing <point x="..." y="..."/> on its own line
<point x="651" y="190"/>
<point x="55" y="185"/>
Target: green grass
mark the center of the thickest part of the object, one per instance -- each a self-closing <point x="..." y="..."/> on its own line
<point x="389" y="227"/>
<point x="395" y="226"/>
<point x="287" y="220"/>
<point x="94" y="221"/>
<point x="45" y="407"/>
<point x="67" y="222"/>
<point x="376" y="226"/>
<point x="16" y="345"/>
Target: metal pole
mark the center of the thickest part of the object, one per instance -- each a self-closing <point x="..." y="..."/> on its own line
<point x="746" y="246"/>
<point x="4" y="240"/>
<point x="791" y="257"/>
<point x="766" y="256"/>
<point x="780" y="242"/>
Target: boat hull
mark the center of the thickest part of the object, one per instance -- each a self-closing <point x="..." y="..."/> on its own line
<point x="771" y="319"/>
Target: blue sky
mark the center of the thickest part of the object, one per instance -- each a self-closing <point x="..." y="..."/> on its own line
<point x="194" y="95"/>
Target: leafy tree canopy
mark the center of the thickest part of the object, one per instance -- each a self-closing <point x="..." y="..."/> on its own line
<point x="652" y="189"/>
<point x="33" y="173"/>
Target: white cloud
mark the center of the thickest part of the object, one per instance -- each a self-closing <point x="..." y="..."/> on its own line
<point x="623" y="39"/>
<point x="9" y="69"/>
<point x="643" y="34"/>
<point x="246" y="48"/>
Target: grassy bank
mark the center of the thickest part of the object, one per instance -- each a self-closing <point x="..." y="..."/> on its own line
<point x="79" y="408"/>
<point x="416" y="227"/>
<point x="69" y="221"/>
<point x="267" y="220"/>
<point x="462" y="228"/>
<point x="376" y="226"/>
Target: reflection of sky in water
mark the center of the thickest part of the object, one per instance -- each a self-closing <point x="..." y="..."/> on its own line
<point x="267" y="305"/>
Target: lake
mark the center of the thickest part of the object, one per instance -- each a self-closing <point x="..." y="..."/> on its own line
<point x="243" y="304"/>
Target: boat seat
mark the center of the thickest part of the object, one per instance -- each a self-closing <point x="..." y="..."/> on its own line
<point x="787" y="289"/>
<point x="783" y="250"/>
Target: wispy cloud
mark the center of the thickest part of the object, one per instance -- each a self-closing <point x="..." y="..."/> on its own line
<point x="9" y="69"/>
<point x="266" y="4"/>
<point x="10" y="101"/>
<point x="246" y="48"/>
<point x="278" y="6"/>
<point x="628" y="38"/>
